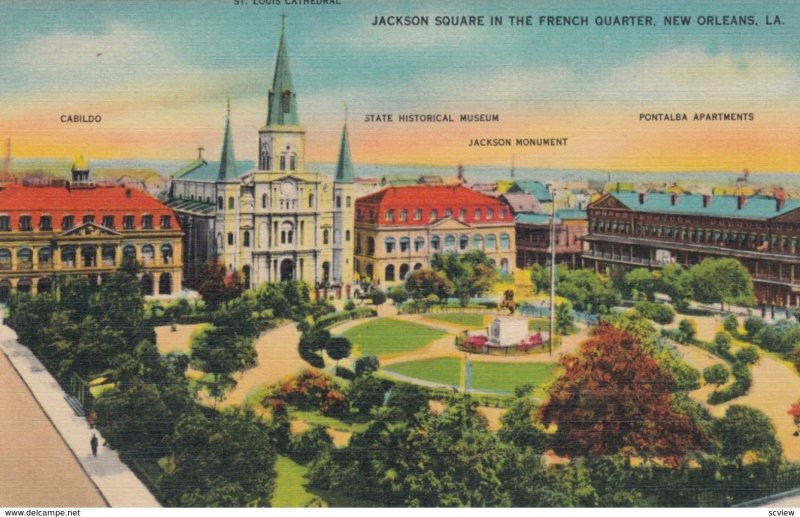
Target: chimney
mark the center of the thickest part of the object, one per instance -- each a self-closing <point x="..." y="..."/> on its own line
<point x="780" y="199"/>
<point x="706" y="200"/>
<point x="740" y="201"/>
<point x="674" y="199"/>
<point x="642" y="197"/>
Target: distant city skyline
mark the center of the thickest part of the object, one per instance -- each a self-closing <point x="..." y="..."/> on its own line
<point x="159" y="73"/>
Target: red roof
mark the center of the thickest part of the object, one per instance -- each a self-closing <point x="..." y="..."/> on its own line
<point x="57" y="202"/>
<point x="431" y="197"/>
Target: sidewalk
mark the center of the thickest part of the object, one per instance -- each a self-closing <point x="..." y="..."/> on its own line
<point x="118" y="485"/>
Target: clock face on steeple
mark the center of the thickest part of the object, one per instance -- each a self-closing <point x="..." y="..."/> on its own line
<point x="288" y="188"/>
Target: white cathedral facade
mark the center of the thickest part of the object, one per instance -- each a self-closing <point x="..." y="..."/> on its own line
<point x="272" y="221"/>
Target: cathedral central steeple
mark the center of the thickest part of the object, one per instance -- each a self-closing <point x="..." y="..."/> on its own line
<point x="227" y="162"/>
<point x="282" y="110"/>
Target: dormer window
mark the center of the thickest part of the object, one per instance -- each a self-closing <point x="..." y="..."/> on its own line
<point x="403" y="215"/>
<point x="45" y="223"/>
<point x="127" y="222"/>
<point x="108" y="221"/>
<point x="25" y="223"/>
<point x="67" y="222"/>
<point x="389" y="216"/>
<point x="448" y="213"/>
<point x="147" y="222"/>
<point x="417" y="214"/>
<point x="434" y="215"/>
<point x="88" y="218"/>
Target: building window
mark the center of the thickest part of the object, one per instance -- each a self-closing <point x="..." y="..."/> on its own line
<point x="147" y="222"/>
<point x="419" y="244"/>
<point x="286" y="101"/>
<point x="338" y="201"/>
<point x="476" y="214"/>
<point x="45" y="223"/>
<point x="45" y="257"/>
<point x="108" y="221"/>
<point x="434" y="215"/>
<point x="477" y="241"/>
<point x="389" y="273"/>
<point x="166" y="222"/>
<point x="5" y="258"/>
<point x="448" y="212"/>
<point x="127" y="222"/>
<point x="88" y="218"/>
<point x="463" y="242"/>
<point x="435" y="241"/>
<point x="403" y="215"/>
<point x="25" y="223"/>
<point x="68" y="257"/>
<point x="417" y="214"/>
<point x="246" y="239"/>
<point x="389" y="216"/>
<point x="491" y="241"/>
<point x="311" y="201"/>
<point x="462" y="214"/>
<point x="25" y="259"/>
<point x="220" y="203"/>
<point x="67" y="222"/>
<point x="347" y="235"/>
<point x="263" y="201"/>
<point x="489" y="213"/>
<point x="505" y="241"/>
<point x="287" y="233"/>
<point x="292" y="162"/>
<point x="449" y="242"/>
<point x="148" y="254"/>
<point x="129" y="252"/>
<point x="230" y="238"/>
<point x="348" y="202"/>
<point x="283" y="162"/>
<point x="325" y="236"/>
<point x="501" y="213"/>
<point x="389" y="244"/>
<point x="230" y="203"/>
<point x="405" y="244"/>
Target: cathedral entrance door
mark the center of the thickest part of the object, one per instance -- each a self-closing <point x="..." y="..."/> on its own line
<point x="287" y="270"/>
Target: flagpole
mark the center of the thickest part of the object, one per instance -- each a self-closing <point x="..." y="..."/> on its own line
<point x="552" y="272"/>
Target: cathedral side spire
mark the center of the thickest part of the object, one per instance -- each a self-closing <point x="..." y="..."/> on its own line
<point x="227" y="162"/>
<point x="282" y="110"/>
<point x="344" y="167"/>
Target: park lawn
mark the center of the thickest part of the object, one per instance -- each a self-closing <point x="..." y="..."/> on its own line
<point x="315" y="418"/>
<point x="459" y="318"/>
<point x="496" y="377"/>
<point x="290" y="484"/>
<point x="538" y="324"/>
<point x="388" y="336"/>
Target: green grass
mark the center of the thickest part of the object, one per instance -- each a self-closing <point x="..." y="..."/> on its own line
<point x="290" y="485"/>
<point x="313" y="417"/>
<point x="499" y="377"/>
<point x="538" y="324"/>
<point x="459" y="318"/>
<point x="387" y="336"/>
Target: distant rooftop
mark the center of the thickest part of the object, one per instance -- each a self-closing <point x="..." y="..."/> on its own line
<point x="755" y="207"/>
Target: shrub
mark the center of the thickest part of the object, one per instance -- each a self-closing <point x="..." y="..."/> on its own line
<point x="740" y="386"/>
<point x="349" y="305"/>
<point x="367" y="392"/>
<point x="687" y="330"/>
<point x="716" y="374"/>
<point x="752" y="325"/>
<point x="377" y="296"/>
<point x="367" y="364"/>
<point x="722" y="346"/>
<point x="363" y="312"/>
<point x="398" y="294"/>
<point x="333" y="318"/>
<point x="310" y="390"/>
<point x="305" y="447"/>
<point x="658" y="312"/>
<point x="747" y="355"/>
<point x="731" y="325"/>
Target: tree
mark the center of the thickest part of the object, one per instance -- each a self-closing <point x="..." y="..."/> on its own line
<point x="407" y="400"/>
<point x="540" y="276"/>
<point x="723" y="280"/>
<point x="425" y="282"/>
<point x="565" y="321"/>
<point x="377" y="297"/>
<point x="521" y="425"/>
<point x="338" y="348"/>
<point x="731" y="324"/>
<point x="614" y="398"/>
<point x="366" y="365"/>
<point x="747" y="433"/>
<point x="220" y="354"/>
<point x="717" y="375"/>
<point x="641" y="282"/>
<point x="218" y="286"/>
<point x="224" y="460"/>
<point x="471" y="274"/>
<point x="366" y="392"/>
<point x="676" y="283"/>
<point x="687" y="331"/>
<point x="587" y="291"/>
<point x="398" y="294"/>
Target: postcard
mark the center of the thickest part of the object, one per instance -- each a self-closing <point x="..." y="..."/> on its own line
<point x="340" y="253"/>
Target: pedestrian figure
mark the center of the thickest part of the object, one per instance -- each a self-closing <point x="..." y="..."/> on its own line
<point x="94" y="444"/>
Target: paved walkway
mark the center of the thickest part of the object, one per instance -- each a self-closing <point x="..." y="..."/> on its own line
<point x="117" y="485"/>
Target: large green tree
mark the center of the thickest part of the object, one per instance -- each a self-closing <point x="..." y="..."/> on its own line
<point x="470" y="274"/>
<point x="723" y="280"/>
<point x="423" y="283"/>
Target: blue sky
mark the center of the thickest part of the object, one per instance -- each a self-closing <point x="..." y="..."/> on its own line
<point x="165" y="69"/>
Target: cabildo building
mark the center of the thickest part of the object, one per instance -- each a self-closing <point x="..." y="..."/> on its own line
<point x="79" y="228"/>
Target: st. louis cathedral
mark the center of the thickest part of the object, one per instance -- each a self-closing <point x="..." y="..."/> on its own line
<point x="274" y="222"/>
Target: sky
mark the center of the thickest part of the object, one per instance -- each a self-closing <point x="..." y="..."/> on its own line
<point x="158" y="74"/>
